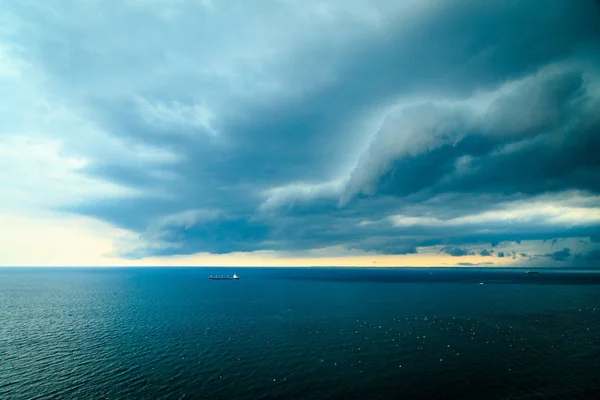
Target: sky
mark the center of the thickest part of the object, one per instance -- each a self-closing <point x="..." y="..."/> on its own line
<point x="276" y="133"/>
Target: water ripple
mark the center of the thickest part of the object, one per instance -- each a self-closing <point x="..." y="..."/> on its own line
<point x="173" y="334"/>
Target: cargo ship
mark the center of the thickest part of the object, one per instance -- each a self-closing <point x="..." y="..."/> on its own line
<point x="233" y="277"/>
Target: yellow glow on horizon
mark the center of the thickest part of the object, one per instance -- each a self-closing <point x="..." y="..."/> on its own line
<point x="265" y="259"/>
<point x="79" y="241"/>
<point x="50" y="241"/>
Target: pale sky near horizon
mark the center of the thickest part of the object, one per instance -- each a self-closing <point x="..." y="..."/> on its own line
<point x="281" y="133"/>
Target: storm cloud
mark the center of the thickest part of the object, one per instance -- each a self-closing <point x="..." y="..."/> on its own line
<point x="379" y="126"/>
<point x="455" y="251"/>
<point x="561" y="255"/>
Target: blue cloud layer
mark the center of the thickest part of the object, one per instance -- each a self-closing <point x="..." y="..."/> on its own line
<point x="376" y="126"/>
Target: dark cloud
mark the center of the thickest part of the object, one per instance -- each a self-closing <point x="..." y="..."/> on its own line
<point x="485" y="253"/>
<point x="322" y="132"/>
<point x="455" y="251"/>
<point x="458" y="152"/>
<point x="561" y="255"/>
<point x="501" y="254"/>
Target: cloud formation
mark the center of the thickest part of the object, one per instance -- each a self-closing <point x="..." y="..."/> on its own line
<point x="374" y="126"/>
<point x="561" y="255"/>
<point x="455" y="251"/>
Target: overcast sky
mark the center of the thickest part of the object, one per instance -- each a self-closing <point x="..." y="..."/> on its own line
<point x="354" y="132"/>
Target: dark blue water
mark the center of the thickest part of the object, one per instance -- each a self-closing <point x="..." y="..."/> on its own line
<point x="298" y="333"/>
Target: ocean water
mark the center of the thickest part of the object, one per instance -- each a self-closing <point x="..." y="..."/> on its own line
<point x="280" y="333"/>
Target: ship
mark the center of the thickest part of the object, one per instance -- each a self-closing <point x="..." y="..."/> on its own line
<point x="532" y="273"/>
<point x="233" y="277"/>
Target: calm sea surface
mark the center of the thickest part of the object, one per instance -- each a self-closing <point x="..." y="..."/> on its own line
<point x="299" y="334"/>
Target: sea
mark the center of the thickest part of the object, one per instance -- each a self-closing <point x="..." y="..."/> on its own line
<point x="299" y="333"/>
